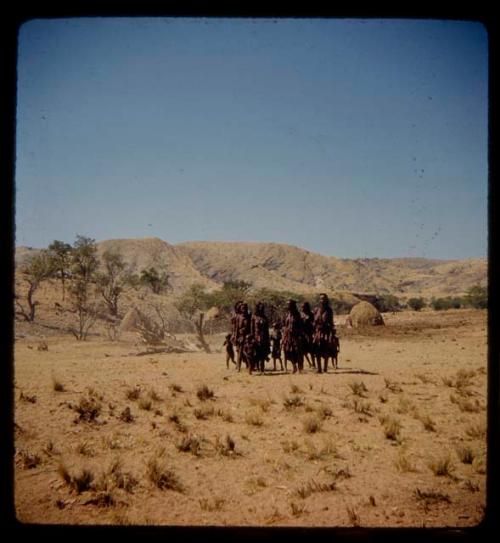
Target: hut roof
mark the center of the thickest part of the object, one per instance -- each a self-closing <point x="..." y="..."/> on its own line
<point x="365" y="314"/>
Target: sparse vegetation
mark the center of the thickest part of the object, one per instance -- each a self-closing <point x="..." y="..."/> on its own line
<point x="253" y="418"/>
<point x="204" y="393"/>
<point x="225" y="447"/>
<point x="358" y="388"/>
<point x="442" y="467"/>
<point x="465" y="454"/>
<point x="312" y="424"/>
<point x="312" y="486"/>
<point x="392" y="428"/>
<point x="190" y="444"/>
<point x="88" y="409"/>
<point x="163" y="477"/>
<point x="292" y="402"/>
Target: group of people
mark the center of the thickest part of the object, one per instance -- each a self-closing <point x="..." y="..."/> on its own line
<point x="299" y="334"/>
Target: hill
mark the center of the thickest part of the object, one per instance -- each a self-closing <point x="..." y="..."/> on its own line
<point x="286" y="267"/>
<point x="283" y="266"/>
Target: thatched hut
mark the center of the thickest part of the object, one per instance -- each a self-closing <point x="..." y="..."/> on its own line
<point x="364" y="314"/>
<point x="130" y="321"/>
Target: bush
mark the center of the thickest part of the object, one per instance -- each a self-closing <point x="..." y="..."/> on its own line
<point x="416" y="303"/>
<point x="477" y="297"/>
<point x="386" y="303"/>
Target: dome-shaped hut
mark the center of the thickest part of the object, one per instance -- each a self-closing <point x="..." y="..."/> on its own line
<point x="365" y="314"/>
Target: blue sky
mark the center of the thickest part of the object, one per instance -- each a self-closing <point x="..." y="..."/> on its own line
<point x="351" y="138"/>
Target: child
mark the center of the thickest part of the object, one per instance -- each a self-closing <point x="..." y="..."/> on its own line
<point x="276" y="346"/>
<point x="229" y="350"/>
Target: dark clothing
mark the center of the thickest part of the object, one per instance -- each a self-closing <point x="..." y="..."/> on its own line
<point x="229" y="348"/>
<point x="276" y="344"/>
<point x="323" y="324"/>
<point x="242" y="327"/>
<point x="293" y="332"/>
<point x="308" y="325"/>
<point x="259" y="327"/>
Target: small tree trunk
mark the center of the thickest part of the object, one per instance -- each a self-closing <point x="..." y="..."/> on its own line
<point x="199" y="330"/>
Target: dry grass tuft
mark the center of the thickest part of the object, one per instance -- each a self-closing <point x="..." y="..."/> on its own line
<point x="465" y="454"/>
<point x="57" y="386"/>
<point x="88" y="409"/>
<point x="427" y="422"/>
<point x="392" y="428"/>
<point x="466" y="405"/>
<point x="204" y="393"/>
<point x="442" y="467"/>
<point x="353" y="516"/>
<point x="313" y="486"/>
<point x="133" y="394"/>
<point x="297" y="509"/>
<point x="204" y="412"/>
<point x="225" y="447"/>
<point x="404" y="464"/>
<point x="393" y="386"/>
<point x="476" y="431"/>
<point x="431" y="497"/>
<point x="312" y="424"/>
<point x="145" y="404"/>
<point x="190" y="444"/>
<point x="79" y="482"/>
<point x="358" y="388"/>
<point x="253" y="418"/>
<point x="162" y="477"/>
<point x="126" y="415"/>
<point x="292" y="402"/>
<point x="27" y="398"/>
<point x="211" y="504"/>
<point x="29" y="460"/>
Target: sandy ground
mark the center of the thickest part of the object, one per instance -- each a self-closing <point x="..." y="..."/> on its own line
<point x="266" y="450"/>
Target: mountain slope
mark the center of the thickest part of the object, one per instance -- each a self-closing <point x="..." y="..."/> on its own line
<point x="282" y="266"/>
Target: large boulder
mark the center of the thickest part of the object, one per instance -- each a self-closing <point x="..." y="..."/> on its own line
<point x="365" y="314"/>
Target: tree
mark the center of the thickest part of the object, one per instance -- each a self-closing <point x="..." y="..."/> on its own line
<point x="84" y="263"/>
<point x="152" y="279"/>
<point x="386" y="303"/>
<point x="113" y="280"/>
<point x="477" y="297"/>
<point x="60" y="254"/>
<point x="36" y="269"/>
<point x="193" y="305"/>
<point x="416" y="303"/>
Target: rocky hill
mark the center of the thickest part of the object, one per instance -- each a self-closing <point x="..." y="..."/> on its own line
<point x="286" y="267"/>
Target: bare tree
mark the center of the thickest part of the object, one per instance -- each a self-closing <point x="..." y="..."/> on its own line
<point x="37" y="269"/>
<point x="84" y="263"/>
<point x="193" y="304"/>
<point x="113" y="280"/>
<point x="60" y="255"/>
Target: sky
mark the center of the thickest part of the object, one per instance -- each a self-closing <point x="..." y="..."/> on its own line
<point x="355" y="138"/>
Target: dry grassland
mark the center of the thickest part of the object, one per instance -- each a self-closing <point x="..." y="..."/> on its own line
<point x="394" y="437"/>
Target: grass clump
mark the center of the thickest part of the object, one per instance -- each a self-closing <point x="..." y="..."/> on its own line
<point x="162" y="477"/>
<point x="133" y="394"/>
<point x="292" y="402"/>
<point x="190" y="444"/>
<point x="204" y="412"/>
<point x="211" y="504"/>
<point x="392" y="428"/>
<point x="204" y="393"/>
<point x="312" y="424"/>
<point x="254" y="419"/>
<point x="79" y="482"/>
<point x="225" y="447"/>
<point x="88" y="409"/>
<point x="465" y="454"/>
<point x="358" y="388"/>
<point x="442" y="467"/>
<point x="57" y="386"/>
